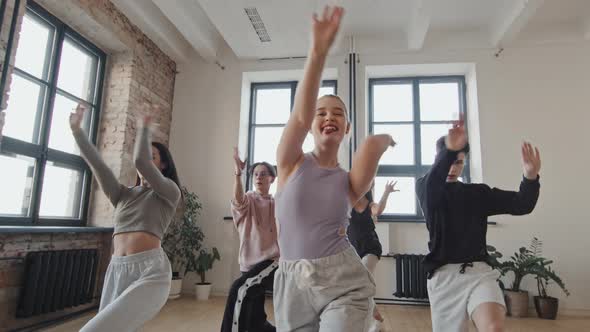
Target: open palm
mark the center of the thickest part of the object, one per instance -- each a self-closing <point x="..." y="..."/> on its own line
<point x="531" y="160"/>
<point x="325" y="28"/>
<point x="390" y="187"/>
<point x="77" y="116"/>
<point x="457" y="137"/>
<point x="240" y="165"/>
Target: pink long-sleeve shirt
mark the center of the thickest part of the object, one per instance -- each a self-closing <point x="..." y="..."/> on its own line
<point x="254" y="219"/>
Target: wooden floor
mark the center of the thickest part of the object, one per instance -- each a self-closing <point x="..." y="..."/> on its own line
<point x="187" y="314"/>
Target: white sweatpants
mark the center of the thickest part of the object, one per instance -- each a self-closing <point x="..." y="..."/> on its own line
<point x="135" y="288"/>
<point x="333" y="293"/>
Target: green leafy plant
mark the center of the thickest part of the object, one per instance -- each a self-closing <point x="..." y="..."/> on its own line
<point x="493" y="260"/>
<point x="544" y="274"/>
<point x="204" y="262"/>
<point x="524" y="262"/>
<point x="183" y="240"/>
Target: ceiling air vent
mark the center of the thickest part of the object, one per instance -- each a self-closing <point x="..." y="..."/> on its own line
<point x="257" y="24"/>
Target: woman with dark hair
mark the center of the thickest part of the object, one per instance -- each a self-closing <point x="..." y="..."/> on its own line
<point x="361" y="232"/>
<point x="138" y="278"/>
<point x="254" y="218"/>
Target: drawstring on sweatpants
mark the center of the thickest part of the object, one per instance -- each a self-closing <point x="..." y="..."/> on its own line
<point x="464" y="266"/>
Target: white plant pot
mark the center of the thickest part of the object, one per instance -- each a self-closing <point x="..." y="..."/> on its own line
<point x="203" y="291"/>
<point x="175" y="289"/>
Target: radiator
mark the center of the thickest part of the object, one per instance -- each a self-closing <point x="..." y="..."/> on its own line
<point x="410" y="277"/>
<point x="55" y="280"/>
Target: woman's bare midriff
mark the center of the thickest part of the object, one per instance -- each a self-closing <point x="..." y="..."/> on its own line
<point x="125" y="244"/>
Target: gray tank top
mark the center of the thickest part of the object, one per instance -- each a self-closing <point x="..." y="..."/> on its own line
<point x="313" y="211"/>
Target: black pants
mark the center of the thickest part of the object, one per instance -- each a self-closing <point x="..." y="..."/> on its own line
<point x="252" y="317"/>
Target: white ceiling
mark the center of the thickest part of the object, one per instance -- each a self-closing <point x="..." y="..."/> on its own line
<point x="181" y="27"/>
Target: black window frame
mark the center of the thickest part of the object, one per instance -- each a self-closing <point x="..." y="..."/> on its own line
<point x="40" y="150"/>
<point x="417" y="170"/>
<point x="254" y="87"/>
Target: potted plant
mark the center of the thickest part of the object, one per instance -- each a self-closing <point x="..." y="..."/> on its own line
<point x="203" y="264"/>
<point x="546" y="306"/>
<point x="183" y="240"/>
<point x="521" y="264"/>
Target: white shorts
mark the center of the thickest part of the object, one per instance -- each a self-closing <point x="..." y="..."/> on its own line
<point x="454" y="296"/>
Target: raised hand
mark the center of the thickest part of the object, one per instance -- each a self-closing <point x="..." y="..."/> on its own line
<point x="457" y="137"/>
<point x="325" y="29"/>
<point x="390" y="187"/>
<point x="76" y="117"/>
<point x="146" y="120"/>
<point x="239" y="164"/>
<point x="531" y="161"/>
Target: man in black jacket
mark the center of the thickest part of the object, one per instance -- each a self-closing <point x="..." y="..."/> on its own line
<point x="461" y="285"/>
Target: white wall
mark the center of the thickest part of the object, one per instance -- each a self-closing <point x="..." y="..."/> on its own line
<point x="540" y="94"/>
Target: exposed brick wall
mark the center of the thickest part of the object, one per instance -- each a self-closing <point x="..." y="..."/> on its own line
<point x="15" y="246"/>
<point x="137" y="71"/>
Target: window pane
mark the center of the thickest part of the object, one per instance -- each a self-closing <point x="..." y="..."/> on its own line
<point x="266" y="141"/>
<point x="273" y="106"/>
<point x="34" y="42"/>
<point x="16" y="180"/>
<point x="392" y="102"/>
<point x="402" y="202"/>
<point x="77" y="70"/>
<point x="62" y="192"/>
<point x="23" y="113"/>
<point x="429" y="134"/>
<point x="439" y="101"/>
<point x="403" y="152"/>
<point x="308" y="144"/>
<point x="60" y="136"/>
<point x="327" y="90"/>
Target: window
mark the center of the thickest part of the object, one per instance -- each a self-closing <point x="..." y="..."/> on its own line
<point x="44" y="180"/>
<point x="271" y="105"/>
<point x="416" y="112"/>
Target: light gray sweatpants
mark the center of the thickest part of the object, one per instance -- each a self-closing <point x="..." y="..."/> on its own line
<point x="333" y="293"/>
<point x="135" y="288"/>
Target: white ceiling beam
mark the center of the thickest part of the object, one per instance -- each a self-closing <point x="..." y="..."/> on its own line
<point x="156" y="26"/>
<point x="419" y="23"/>
<point x="512" y="21"/>
<point x="194" y="24"/>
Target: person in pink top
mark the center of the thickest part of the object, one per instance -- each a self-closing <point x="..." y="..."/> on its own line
<point x="254" y="218"/>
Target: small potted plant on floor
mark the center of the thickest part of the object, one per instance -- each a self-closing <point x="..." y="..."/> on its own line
<point x="546" y="306"/>
<point x="203" y="264"/>
<point x="183" y="240"/>
<point x="521" y="264"/>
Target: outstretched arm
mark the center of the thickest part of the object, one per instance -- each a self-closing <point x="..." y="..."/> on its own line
<point x="240" y="166"/>
<point x="364" y="164"/>
<point x="377" y="209"/>
<point x="289" y="151"/>
<point x="103" y="174"/>
<point x="430" y="188"/>
<point x="523" y="201"/>
<point x="162" y="185"/>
